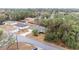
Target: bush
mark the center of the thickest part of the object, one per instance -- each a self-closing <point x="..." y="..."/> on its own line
<point x="35" y="32"/>
<point x="1" y="31"/>
<point x="49" y="36"/>
<point x="64" y="30"/>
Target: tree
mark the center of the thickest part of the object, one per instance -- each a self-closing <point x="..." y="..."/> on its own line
<point x="65" y="30"/>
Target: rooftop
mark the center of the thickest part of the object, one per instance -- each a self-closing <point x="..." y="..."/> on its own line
<point x="21" y="24"/>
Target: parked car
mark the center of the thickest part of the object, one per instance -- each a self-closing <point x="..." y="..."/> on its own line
<point x="37" y="49"/>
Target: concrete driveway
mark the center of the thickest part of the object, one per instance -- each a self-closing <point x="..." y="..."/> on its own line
<point x="37" y="43"/>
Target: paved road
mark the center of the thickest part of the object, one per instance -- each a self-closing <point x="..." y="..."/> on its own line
<point x="37" y="43"/>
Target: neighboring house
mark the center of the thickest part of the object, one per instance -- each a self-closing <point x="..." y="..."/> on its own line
<point x="10" y="22"/>
<point x="21" y="25"/>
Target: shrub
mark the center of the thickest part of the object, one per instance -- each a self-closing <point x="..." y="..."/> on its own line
<point x="49" y="36"/>
<point x="1" y="31"/>
<point x="35" y="32"/>
<point x="64" y="30"/>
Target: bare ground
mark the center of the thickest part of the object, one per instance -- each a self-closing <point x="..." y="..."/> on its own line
<point x="21" y="46"/>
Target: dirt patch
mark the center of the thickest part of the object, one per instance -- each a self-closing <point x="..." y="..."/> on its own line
<point x="7" y="27"/>
<point x="40" y="37"/>
<point x="21" y="46"/>
<point x="59" y="43"/>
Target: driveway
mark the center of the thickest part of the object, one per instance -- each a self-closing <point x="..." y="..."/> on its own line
<point x="37" y="43"/>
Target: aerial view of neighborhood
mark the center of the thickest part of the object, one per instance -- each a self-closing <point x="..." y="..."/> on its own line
<point x="39" y="29"/>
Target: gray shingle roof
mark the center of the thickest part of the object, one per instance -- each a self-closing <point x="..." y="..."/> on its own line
<point x="21" y="24"/>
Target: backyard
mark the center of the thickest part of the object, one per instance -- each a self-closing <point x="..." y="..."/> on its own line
<point x="41" y="29"/>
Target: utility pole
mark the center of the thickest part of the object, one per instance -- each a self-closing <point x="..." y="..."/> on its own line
<point x="17" y="42"/>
